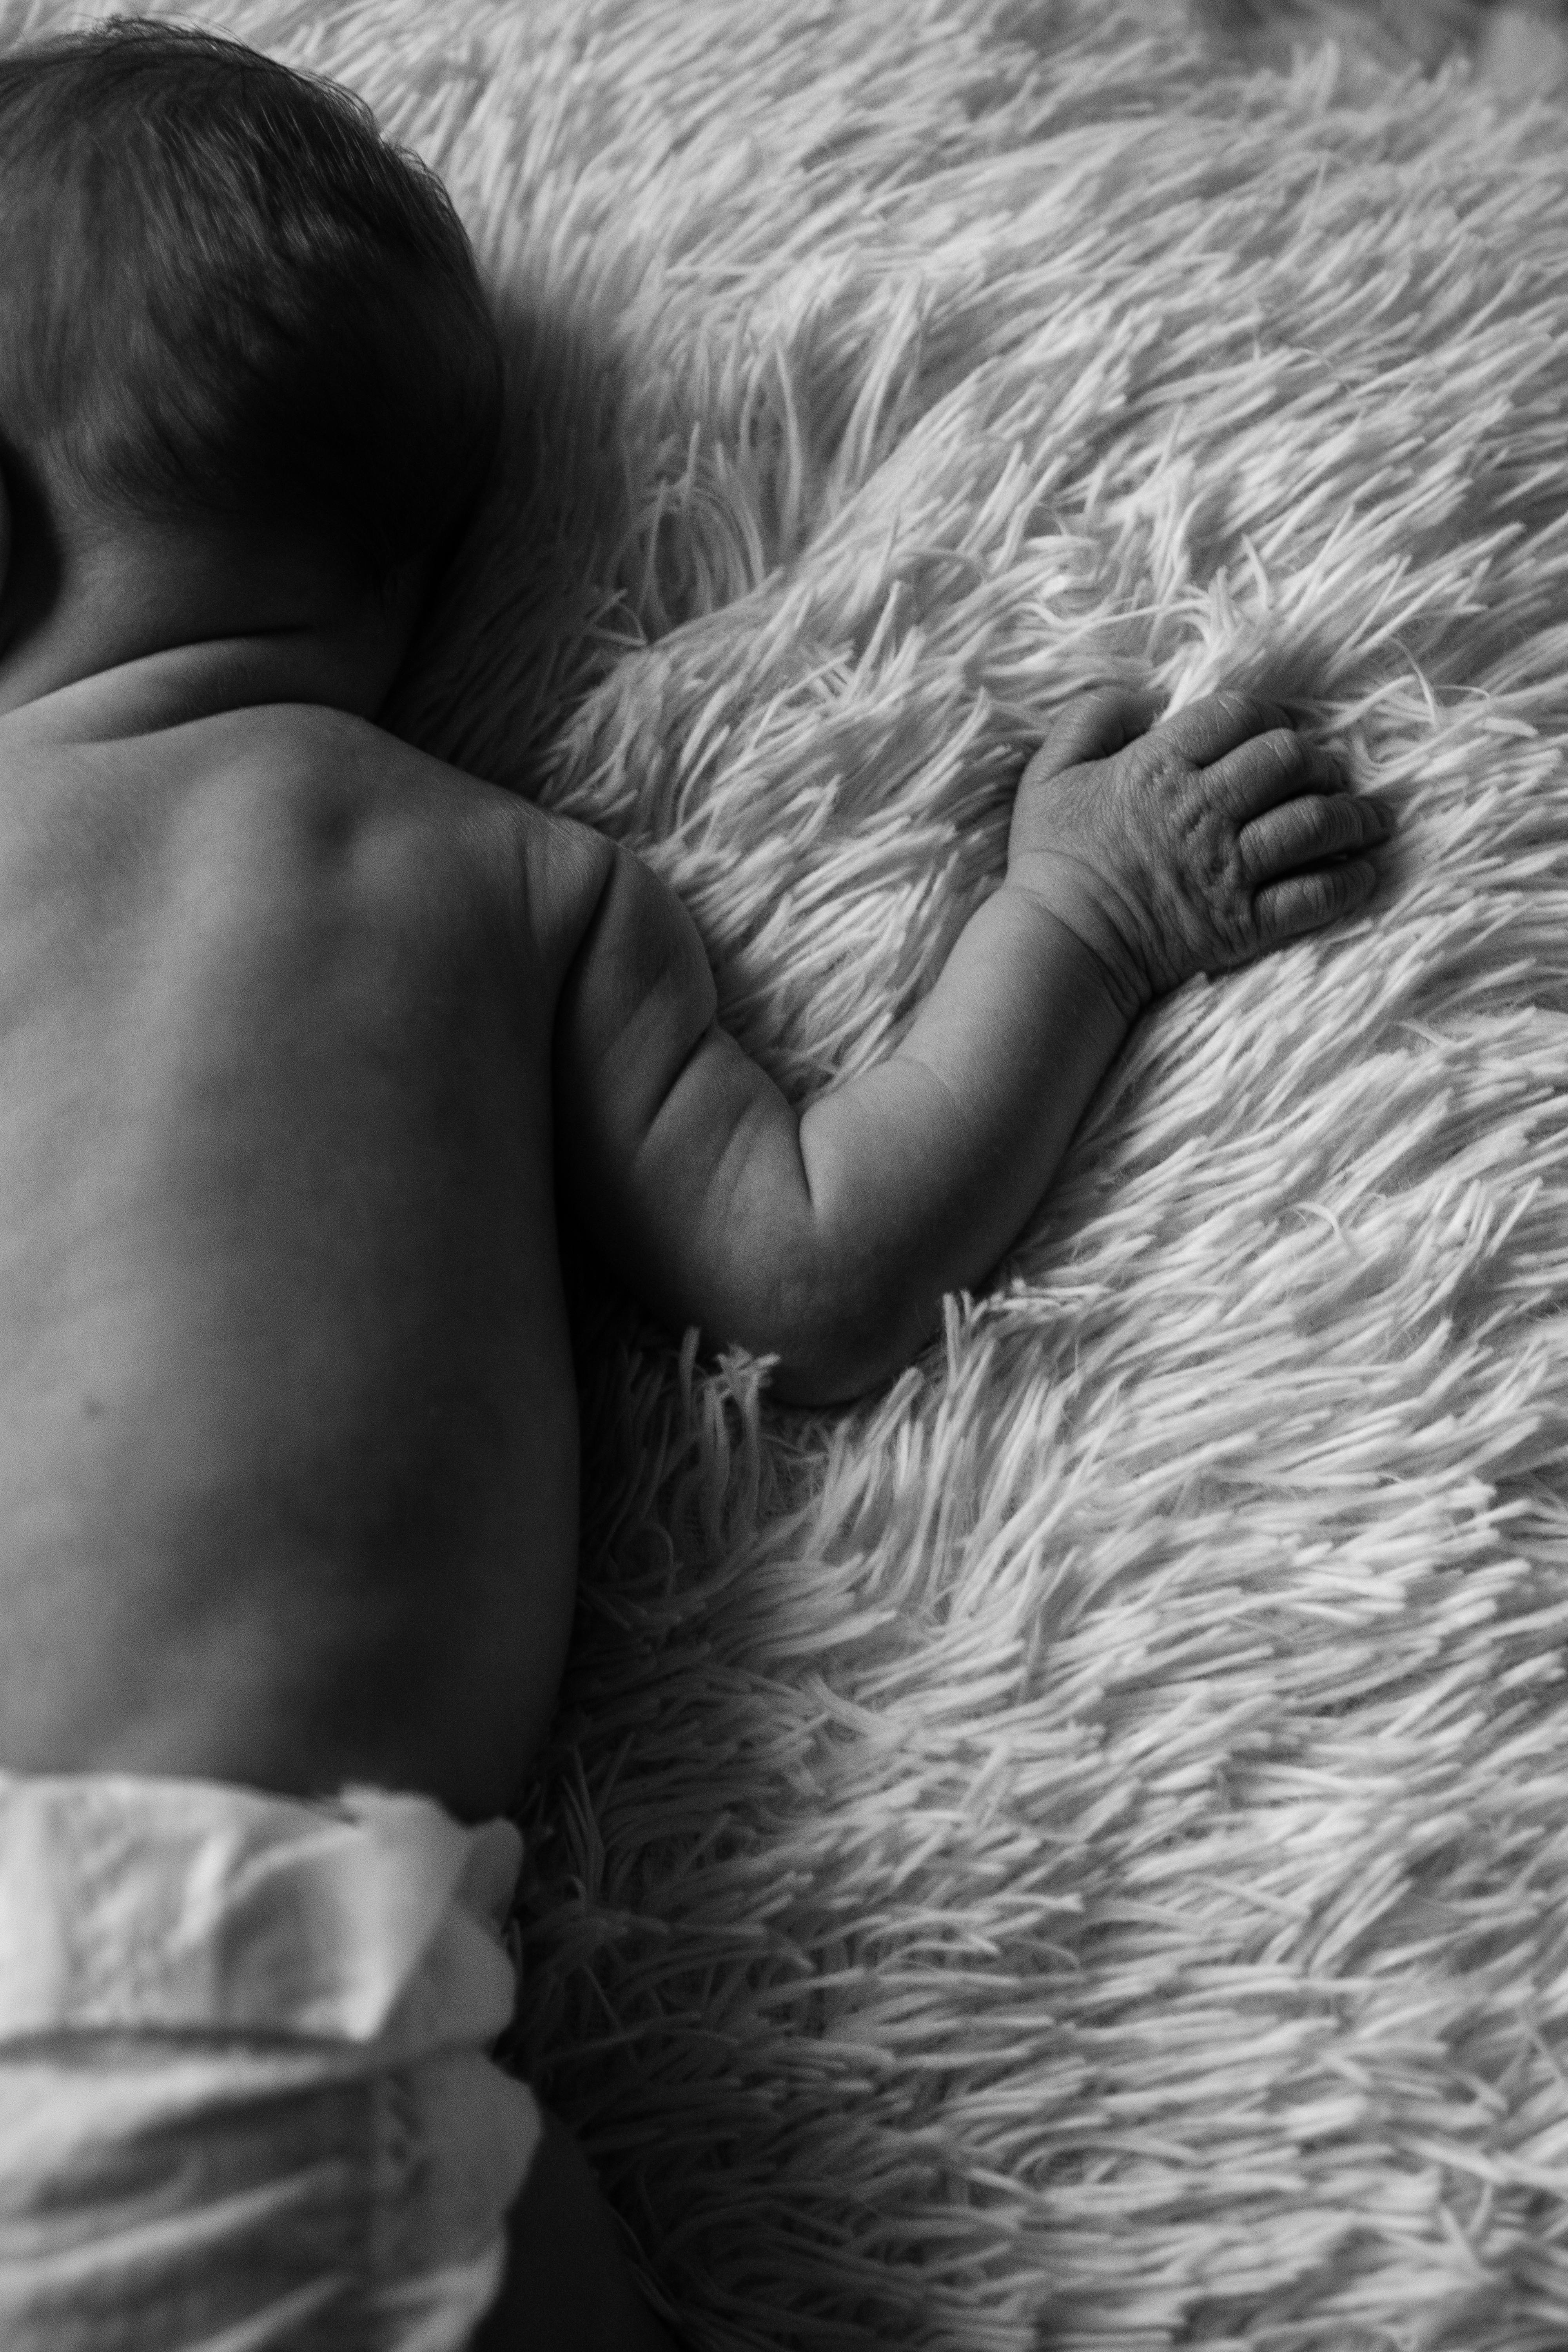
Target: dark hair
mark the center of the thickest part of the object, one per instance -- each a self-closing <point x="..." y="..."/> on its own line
<point x="222" y="291"/>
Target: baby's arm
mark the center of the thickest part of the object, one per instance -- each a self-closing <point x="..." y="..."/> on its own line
<point x="1139" y="854"/>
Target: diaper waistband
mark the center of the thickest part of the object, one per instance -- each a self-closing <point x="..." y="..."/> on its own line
<point x="131" y="1904"/>
<point x="245" y="2098"/>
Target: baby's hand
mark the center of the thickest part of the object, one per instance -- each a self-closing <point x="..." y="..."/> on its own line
<point x="1191" y="846"/>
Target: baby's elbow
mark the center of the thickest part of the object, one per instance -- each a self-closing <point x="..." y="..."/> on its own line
<point x="842" y="1333"/>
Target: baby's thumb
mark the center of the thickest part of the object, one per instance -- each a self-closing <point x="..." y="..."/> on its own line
<point x="1094" y="726"/>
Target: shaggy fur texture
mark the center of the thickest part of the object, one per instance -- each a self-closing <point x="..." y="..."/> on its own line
<point x="1073" y="1853"/>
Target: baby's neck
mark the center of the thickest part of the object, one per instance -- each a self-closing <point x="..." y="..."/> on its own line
<point x="162" y="625"/>
<point x="178" y="684"/>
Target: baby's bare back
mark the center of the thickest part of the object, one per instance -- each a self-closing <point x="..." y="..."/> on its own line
<point x="287" y="1429"/>
<point x="287" y="1440"/>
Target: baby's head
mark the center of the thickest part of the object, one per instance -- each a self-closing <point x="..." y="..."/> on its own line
<point x="230" y="314"/>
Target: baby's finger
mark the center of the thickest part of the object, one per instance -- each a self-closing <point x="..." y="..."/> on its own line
<point x="1310" y="827"/>
<point x="1207" y="730"/>
<point x="1306" y="902"/>
<point x="1277" y="765"/>
<point x="1093" y="727"/>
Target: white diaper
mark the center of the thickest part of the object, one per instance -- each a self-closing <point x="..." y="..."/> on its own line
<point x="244" y="2102"/>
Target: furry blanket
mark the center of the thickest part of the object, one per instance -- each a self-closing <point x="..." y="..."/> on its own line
<point x="1073" y="1853"/>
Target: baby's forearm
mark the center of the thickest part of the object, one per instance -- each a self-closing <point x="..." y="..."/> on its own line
<point x="924" y="1170"/>
<point x="827" y="1240"/>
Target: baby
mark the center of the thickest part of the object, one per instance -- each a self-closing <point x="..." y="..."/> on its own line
<point x="303" y="1035"/>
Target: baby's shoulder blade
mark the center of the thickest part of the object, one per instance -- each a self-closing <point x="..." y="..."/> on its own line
<point x="417" y="823"/>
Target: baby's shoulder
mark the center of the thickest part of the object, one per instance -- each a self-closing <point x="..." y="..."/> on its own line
<point x="414" y="820"/>
<point x="292" y="796"/>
